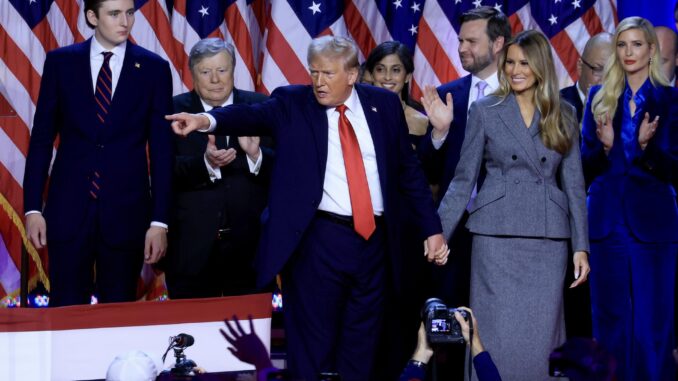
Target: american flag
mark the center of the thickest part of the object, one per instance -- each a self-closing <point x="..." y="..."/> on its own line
<point x="271" y="38"/>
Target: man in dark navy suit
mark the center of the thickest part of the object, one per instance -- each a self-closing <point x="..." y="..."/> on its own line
<point x="590" y="68"/>
<point x="105" y="98"/>
<point x="343" y="162"/>
<point x="221" y="186"/>
<point x="482" y="36"/>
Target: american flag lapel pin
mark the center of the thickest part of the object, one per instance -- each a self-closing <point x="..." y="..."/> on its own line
<point x="374" y="109"/>
<point x="137" y="65"/>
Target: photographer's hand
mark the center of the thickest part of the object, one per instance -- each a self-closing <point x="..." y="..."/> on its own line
<point x="246" y="347"/>
<point x="476" y="344"/>
<point x="423" y="352"/>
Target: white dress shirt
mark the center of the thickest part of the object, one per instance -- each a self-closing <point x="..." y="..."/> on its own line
<point x="492" y="85"/>
<point x="215" y="173"/>
<point x="336" y="198"/>
<point x="96" y="60"/>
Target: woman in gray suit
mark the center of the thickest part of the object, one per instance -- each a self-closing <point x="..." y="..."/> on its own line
<point x="531" y="202"/>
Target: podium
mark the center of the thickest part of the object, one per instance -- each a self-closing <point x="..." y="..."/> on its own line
<point x="79" y="342"/>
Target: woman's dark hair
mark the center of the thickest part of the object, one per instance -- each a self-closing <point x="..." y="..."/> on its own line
<point x="404" y="54"/>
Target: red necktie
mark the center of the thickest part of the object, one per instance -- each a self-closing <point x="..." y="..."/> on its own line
<point x="359" y="191"/>
<point x="102" y="95"/>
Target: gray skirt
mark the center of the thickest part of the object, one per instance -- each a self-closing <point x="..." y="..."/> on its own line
<point x="517" y="298"/>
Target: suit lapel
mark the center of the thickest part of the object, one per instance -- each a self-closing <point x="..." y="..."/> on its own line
<point x="319" y="127"/>
<point x="371" y="111"/>
<point x="461" y="106"/>
<point x="509" y="113"/>
<point x="86" y="87"/>
<point x="129" y="78"/>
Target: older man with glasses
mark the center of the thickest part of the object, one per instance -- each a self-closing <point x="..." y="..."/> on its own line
<point x="590" y="68"/>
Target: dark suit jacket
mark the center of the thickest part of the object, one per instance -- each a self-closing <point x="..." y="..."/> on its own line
<point x="128" y="199"/>
<point x="571" y="94"/>
<point x="202" y="206"/>
<point x="441" y="164"/>
<point x="298" y="124"/>
<point x="639" y="192"/>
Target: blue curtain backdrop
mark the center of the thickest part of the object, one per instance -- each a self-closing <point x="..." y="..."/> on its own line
<point x="659" y="12"/>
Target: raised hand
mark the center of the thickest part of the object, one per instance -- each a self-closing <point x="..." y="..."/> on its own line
<point x="246" y="347"/>
<point x="250" y="144"/>
<point x="605" y="132"/>
<point x="439" y="113"/>
<point x="184" y="123"/>
<point x="218" y="157"/>
<point x="647" y="130"/>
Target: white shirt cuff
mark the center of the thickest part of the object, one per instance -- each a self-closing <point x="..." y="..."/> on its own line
<point x="214" y="173"/>
<point x="159" y="224"/>
<point x="32" y="212"/>
<point x="213" y="123"/>
<point x="437" y="143"/>
<point x="255" y="167"/>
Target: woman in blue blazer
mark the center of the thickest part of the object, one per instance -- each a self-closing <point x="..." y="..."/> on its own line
<point x="630" y="159"/>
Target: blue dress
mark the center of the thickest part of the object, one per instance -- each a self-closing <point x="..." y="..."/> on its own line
<point x="633" y="226"/>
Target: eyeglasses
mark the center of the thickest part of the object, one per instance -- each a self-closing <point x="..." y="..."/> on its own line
<point x="597" y="70"/>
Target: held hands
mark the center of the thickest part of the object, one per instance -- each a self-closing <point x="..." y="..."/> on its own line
<point x="605" y="133"/>
<point x="439" y="113"/>
<point x="246" y="347"/>
<point x="184" y="123"/>
<point x="36" y="230"/>
<point x="218" y="157"/>
<point x="155" y="245"/>
<point x="581" y="268"/>
<point x="435" y="249"/>
<point x="647" y="130"/>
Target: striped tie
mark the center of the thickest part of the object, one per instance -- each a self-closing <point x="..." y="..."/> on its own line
<point x="102" y="96"/>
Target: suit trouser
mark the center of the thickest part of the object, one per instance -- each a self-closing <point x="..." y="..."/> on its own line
<point x="333" y="290"/>
<point x="227" y="271"/>
<point x="632" y="296"/>
<point x="72" y="266"/>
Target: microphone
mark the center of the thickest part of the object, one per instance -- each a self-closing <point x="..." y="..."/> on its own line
<point x="183" y="340"/>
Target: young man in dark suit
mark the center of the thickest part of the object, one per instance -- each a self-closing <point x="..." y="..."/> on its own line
<point x="221" y="186"/>
<point x="343" y="160"/>
<point x="103" y="216"/>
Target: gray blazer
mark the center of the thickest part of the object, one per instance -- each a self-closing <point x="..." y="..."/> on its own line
<point x="520" y="196"/>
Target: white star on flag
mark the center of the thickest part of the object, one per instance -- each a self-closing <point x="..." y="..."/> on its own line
<point x="576" y="4"/>
<point x="203" y="11"/>
<point x="398" y="3"/>
<point x="497" y="6"/>
<point x="553" y="19"/>
<point x="315" y="7"/>
<point x="478" y="3"/>
<point x="415" y="7"/>
<point x="413" y="29"/>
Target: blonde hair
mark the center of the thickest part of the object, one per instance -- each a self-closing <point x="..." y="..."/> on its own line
<point x="334" y="46"/>
<point x="556" y="125"/>
<point x="614" y="79"/>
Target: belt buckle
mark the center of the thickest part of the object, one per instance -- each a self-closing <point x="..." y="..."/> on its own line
<point x="223" y="233"/>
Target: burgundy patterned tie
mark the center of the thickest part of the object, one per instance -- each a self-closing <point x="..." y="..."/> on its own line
<point x="102" y="97"/>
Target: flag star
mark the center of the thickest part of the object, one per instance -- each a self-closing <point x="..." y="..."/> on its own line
<point x="415" y="7"/>
<point x="398" y="3"/>
<point x="413" y="29"/>
<point x="203" y="11"/>
<point x="497" y="6"/>
<point x="31" y="1"/>
<point x="553" y="19"/>
<point x="478" y="3"/>
<point x="457" y="1"/>
<point x="558" y="1"/>
<point x="315" y="7"/>
<point x="576" y="4"/>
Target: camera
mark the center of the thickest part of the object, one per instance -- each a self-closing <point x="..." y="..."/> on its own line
<point x="440" y="323"/>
